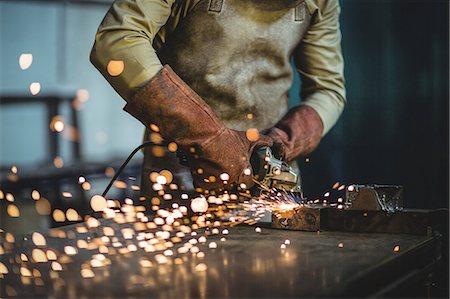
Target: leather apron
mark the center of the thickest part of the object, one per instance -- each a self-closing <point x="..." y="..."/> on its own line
<point x="236" y="55"/>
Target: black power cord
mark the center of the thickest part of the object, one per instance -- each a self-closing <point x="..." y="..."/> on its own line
<point x="145" y="144"/>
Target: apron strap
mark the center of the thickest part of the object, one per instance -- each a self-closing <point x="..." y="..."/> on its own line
<point x="300" y="11"/>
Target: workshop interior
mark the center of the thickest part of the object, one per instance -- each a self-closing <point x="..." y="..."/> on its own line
<point x="364" y="215"/>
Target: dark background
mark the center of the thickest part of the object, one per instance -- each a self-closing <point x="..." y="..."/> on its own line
<point x="394" y="129"/>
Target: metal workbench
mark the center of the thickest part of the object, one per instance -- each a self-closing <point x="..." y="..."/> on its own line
<point x="245" y="265"/>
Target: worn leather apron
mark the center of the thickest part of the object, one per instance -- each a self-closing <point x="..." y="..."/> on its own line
<point x="236" y="55"/>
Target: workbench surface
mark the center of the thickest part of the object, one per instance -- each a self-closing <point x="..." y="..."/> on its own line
<point x="246" y="264"/>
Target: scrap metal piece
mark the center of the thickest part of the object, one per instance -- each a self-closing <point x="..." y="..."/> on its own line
<point x="368" y="209"/>
<point x="387" y="198"/>
<point x="318" y="218"/>
<point x="305" y="218"/>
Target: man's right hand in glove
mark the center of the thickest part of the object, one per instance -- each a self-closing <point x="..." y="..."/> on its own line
<point x="184" y="117"/>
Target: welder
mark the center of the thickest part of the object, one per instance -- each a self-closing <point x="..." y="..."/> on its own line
<point x="214" y="76"/>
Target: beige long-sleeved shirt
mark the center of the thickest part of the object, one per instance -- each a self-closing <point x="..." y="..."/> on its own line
<point x="133" y="30"/>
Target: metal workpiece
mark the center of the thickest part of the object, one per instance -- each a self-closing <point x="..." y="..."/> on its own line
<point x="246" y="264"/>
<point x="305" y="218"/>
<point x="319" y="218"/>
<point x="367" y="208"/>
<point x="387" y="198"/>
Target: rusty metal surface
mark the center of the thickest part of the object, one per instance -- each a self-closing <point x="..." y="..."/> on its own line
<point x="246" y="265"/>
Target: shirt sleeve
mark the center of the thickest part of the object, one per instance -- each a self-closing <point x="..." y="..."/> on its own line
<point x="125" y="37"/>
<point x="320" y="64"/>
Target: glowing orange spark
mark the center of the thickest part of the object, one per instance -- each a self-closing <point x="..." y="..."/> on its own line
<point x="72" y="214"/>
<point x="43" y="206"/>
<point x="145" y="263"/>
<point x="87" y="273"/>
<point x="56" y="266"/>
<point x="120" y="185"/>
<point x="70" y="250"/>
<point x="252" y="134"/>
<point x="161" y="180"/>
<point x="92" y="222"/>
<point x="25" y="60"/>
<point x="57" y="124"/>
<point x="51" y="255"/>
<point x="201" y="267"/>
<point x="38" y="239"/>
<point x="39" y="256"/>
<point x="86" y="186"/>
<point x="35" y="88"/>
<point x="115" y="67"/>
<point x="173" y="147"/>
<point x="59" y="215"/>
<point x="35" y="195"/>
<point x="82" y="95"/>
<point x="9" y="197"/>
<point x="199" y="205"/>
<point x="167" y="174"/>
<point x="25" y="272"/>
<point x="110" y="172"/>
<point x="3" y="268"/>
<point x="13" y="211"/>
<point x="58" y="162"/>
<point x="98" y="203"/>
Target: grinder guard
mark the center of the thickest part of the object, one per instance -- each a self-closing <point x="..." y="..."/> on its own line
<point x="271" y="172"/>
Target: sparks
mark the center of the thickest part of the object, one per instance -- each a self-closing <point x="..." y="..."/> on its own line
<point x="25" y="60"/>
<point x="35" y="88"/>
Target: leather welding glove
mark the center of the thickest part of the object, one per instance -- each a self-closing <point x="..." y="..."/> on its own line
<point x="298" y="133"/>
<point x="184" y="117"/>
